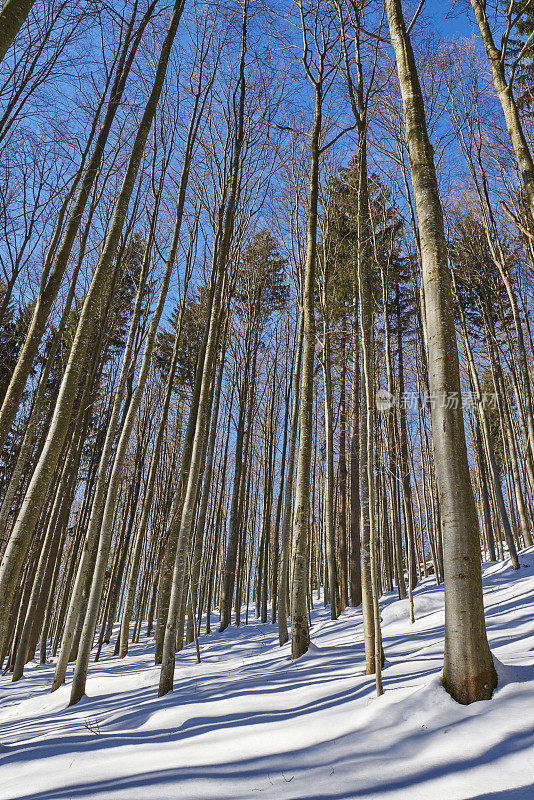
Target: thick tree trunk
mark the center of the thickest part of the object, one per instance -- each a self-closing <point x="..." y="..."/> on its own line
<point x="468" y="672"/>
<point x="12" y="17"/>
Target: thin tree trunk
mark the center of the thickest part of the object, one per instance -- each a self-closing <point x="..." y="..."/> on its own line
<point x="300" y="632"/>
<point x="283" y="586"/>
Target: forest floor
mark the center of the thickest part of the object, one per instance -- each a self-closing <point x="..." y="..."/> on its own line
<point x="247" y="722"/>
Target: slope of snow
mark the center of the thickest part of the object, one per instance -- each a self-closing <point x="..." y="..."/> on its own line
<point x="248" y="722"/>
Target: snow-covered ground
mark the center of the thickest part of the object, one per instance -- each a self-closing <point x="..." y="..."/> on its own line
<point x="249" y="723"/>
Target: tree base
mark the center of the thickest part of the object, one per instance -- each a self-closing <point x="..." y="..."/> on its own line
<point x="472" y="688"/>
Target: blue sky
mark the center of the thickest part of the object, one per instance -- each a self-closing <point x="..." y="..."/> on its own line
<point x="453" y="22"/>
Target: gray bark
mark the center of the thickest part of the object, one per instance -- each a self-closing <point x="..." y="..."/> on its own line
<point x="468" y="672"/>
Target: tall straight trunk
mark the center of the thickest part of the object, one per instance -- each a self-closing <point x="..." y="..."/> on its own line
<point x="283" y="586"/>
<point x="328" y="512"/>
<point x="154" y="463"/>
<point x="428" y="496"/>
<point x="486" y="509"/>
<point x="268" y="497"/>
<point x="391" y="429"/>
<point x="186" y="543"/>
<point x="179" y="585"/>
<point x="367" y="488"/>
<point x="204" y="406"/>
<point x="202" y="515"/>
<point x="244" y="546"/>
<point x="123" y="552"/>
<point x="218" y="521"/>
<point x="133" y="572"/>
<point x="468" y="672"/>
<point x="364" y="295"/>
<point x="403" y="461"/>
<point x="342" y="509"/>
<point x="50" y="590"/>
<point x="355" y="509"/>
<point x="235" y="521"/>
<point x="280" y="501"/>
<point x="171" y="536"/>
<point x="300" y="631"/>
<point x="168" y="565"/>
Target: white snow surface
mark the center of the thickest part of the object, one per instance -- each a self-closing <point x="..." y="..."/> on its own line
<point x="247" y="722"/>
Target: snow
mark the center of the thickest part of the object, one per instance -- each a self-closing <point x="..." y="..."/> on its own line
<point x="247" y="722"/>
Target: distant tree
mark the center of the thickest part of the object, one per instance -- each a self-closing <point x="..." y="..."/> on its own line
<point x="13" y="329"/>
<point x="192" y="330"/>
<point x="261" y="284"/>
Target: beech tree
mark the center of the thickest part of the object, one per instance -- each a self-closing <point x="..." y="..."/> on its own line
<point x="468" y="672"/>
<point x="265" y="330"/>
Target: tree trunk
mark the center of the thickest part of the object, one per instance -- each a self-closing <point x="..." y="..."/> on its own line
<point x="12" y="17"/>
<point x="300" y="632"/>
<point x="342" y="509"/>
<point x="468" y="673"/>
<point x="283" y="586"/>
